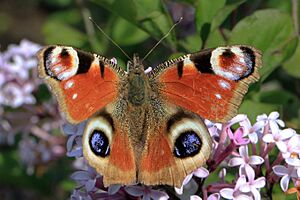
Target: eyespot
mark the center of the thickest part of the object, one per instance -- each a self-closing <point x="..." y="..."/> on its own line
<point x="99" y="143"/>
<point x="189" y="135"/>
<point x="187" y="144"/>
<point x="97" y="137"/>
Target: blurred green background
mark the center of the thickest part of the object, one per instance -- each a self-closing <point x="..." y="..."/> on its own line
<point x="136" y="25"/>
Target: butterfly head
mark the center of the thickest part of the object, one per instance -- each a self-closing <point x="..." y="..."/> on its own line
<point x="136" y="66"/>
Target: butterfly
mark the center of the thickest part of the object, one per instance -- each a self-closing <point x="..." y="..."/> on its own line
<point x="148" y="127"/>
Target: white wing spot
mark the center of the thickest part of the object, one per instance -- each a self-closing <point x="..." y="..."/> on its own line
<point x="187" y="61"/>
<point x="242" y="60"/>
<point x="224" y="84"/>
<point x="69" y="84"/>
<point x="218" y="96"/>
<point x="57" y="69"/>
<point x="74" y="96"/>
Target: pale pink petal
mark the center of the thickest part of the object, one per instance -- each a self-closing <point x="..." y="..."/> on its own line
<point x="179" y="190"/>
<point x="146" y="196"/>
<point x="243" y="197"/>
<point x="261" y="117"/>
<point x="284" y="182"/>
<point x="293" y="161"/>
<point x="243" y="150"/>
<point x="236" y="161"/>
<point x="255" y="193"/>
<point x="260" y="182"/>
<point x="201" y="172"/>
<point x="281" y="146"/>
<point x="114" y="188"/>
<point x="187" y="179"/>
<point x="135" y="190"/>
<point x="250" y="172"/>
<point x="293" y="142"/>
<point x="280" y="170"/>
<point x="214" y="196"/>
<point x="227" y="193"/>
<point x="237" y="118"/>
<point x="273" y="126"/>
<point x="258" y="125"/>
<point x="245" y="188"/>
<point x="195" y="197"/>
<point x="268" y="138"/>
<point x="255" y="160"/>
<point x="241" y="181"/>
<point x="253" y="137"/>
<point x="280" y="122"/>
<point x="156" y="194"/>
<point x="273" y="115"/>
<point x="287" y="133"/>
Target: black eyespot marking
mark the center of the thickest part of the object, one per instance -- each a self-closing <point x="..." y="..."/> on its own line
<point x="99" y="143"/>
<point x="47" y="54"/>
<point x="180" y="68"/>
<point x="64" y="53"/>
<point x="249" y="58"/>
<point x="202" y="61"/>
<point x="101" y="68"/>
<point x="187" y="144"/>
<point x="85" y="61"/>
<point x="228" y="53"/>
<point x="176" y="118"/>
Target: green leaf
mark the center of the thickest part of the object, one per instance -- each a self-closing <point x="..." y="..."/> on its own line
<point x="126" y="33"/>
<point x="287" y="100"/>
<point x="269" y="30"/>
<point x="71" y="16"/>
<point x="191" y="43"/>
<point x="222" y="14"/>
<point x="59" y="33"/>
<point x="292" y="65"/>
<point x="206" y="11"/>
<point x="252" y="108"/>
<point x="215" y="39"/>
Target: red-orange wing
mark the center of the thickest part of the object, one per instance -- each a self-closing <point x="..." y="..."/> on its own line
<point x="82" y="82"/>
<point x="210" y="83"/>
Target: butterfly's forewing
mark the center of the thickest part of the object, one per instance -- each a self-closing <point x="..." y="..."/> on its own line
<point x="83" y="83"/>
<point x="86" y="87"/>
<point x="210" y="83"/>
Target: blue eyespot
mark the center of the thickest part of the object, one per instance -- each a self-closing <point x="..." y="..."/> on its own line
<point x="99" y="143"/>
<point x="187" y="144"/>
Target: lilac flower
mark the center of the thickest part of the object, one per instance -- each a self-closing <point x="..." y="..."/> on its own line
<point x="286" y="173"/>
<point x="18" y="80"/>
<point x="244" y="160"/>
<point x="292" y="146"/>
<point x="214" y="196"/>
<point x="253" y="185"/>
<point x="272" y="120"/>
<point x="146" y="192"/>
<point x="74" y="143"/>
<point x="278" y="137"/>
<point x="238" y="136"/>
<point x="86" y="179"/>
<point x="235" y="193"/>
<point x="200" y="172"/>
<point x="250" y="130"/>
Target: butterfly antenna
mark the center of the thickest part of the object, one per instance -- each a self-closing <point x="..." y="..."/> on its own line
<point x="109" y="38"/>
<point x="166" y="35"/>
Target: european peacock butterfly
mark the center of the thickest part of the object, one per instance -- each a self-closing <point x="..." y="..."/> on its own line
<point x="148" y="127"/>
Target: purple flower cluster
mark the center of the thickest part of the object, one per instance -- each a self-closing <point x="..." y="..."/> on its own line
<point x="245" y="149"/>
<point x="16" y="79"/>
<point x="21" y="114"/>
